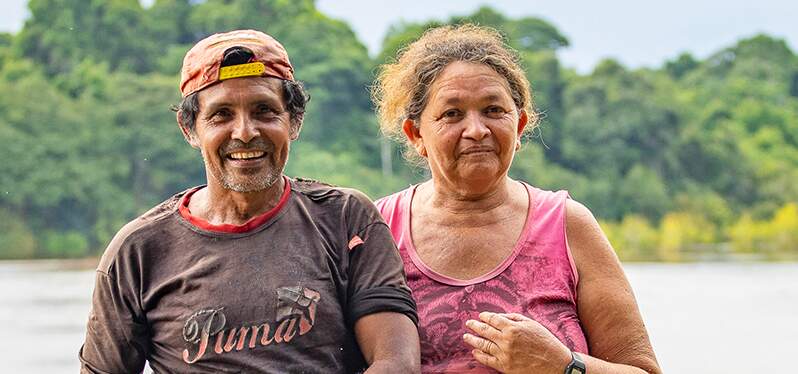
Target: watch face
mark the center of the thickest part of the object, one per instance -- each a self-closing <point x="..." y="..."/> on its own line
<point x="575" y="370"/>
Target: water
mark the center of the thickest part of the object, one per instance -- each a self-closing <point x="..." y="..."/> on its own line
<point x="702" y="318"/>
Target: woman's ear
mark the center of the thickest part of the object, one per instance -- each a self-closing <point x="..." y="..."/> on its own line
<point x="188" y="134"/>
<point x="523" y="120"/>
<point x="413" y="134"/>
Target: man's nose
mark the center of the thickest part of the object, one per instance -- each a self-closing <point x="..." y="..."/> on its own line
<point x="475" y="127"/>
<point x="244" y="129"/>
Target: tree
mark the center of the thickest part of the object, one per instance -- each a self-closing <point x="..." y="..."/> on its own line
<point x="61" y="33"/>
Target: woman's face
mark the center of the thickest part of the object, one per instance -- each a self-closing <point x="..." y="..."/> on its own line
<point x="470" y="128"/>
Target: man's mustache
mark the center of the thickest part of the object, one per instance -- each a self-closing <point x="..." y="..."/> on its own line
<point x="256" y="144"/>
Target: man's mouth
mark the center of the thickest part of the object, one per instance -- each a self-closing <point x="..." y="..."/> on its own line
<point x="250" y="155"/>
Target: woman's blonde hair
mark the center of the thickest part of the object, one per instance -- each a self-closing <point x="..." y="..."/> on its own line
<point x="401" y="89"/>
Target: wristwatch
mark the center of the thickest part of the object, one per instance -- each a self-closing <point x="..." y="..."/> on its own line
<point x="577" y="366"/>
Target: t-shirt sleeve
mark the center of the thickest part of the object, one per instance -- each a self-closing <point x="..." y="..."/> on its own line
<point x="376" y="273"/>
<point x="115" y="335"/>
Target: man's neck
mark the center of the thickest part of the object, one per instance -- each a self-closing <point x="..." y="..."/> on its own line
<point x="219" y="205"/>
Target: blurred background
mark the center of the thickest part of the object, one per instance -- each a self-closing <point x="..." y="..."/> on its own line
<point x="676" y="124"/>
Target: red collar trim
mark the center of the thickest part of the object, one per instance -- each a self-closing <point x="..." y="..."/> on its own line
<point x="250" y="225"/>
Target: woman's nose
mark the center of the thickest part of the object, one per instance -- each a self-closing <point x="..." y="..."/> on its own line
<point x="475" y="127"/>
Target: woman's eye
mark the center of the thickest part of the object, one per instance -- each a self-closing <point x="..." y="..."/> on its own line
<point x="451" y="113"/>
<point x="495" y="111"/>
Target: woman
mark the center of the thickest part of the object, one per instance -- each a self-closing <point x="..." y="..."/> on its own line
<point x="507" y="277"/>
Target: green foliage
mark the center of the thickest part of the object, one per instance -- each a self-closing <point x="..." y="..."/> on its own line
<point x="60" y="33"/>
<point x="633" y="238"/>
<point x="16" y="239"/>
<point x="681" y="65"/>
<point x="692" y="158"/>
<point x="680" y="232"/>
<point x="774" y="237"/>
<point x="341" y="169"/>
<point x="69" y="244"/>
<point x="642" y="191"/>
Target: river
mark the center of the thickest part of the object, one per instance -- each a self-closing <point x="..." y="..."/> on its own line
<point x="704" y="318"/>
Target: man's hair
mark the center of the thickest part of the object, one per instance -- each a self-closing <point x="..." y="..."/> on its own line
<point x="295" y="96"/>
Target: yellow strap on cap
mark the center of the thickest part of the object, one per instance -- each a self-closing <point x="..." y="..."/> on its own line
<point x="252" y="69"/>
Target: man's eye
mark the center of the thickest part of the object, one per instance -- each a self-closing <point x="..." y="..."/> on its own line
<point x="265" y="110"/>
<point x="222" y="113"/>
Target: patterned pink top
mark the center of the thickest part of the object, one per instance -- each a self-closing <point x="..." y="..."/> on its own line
<point x="537" y="280"/>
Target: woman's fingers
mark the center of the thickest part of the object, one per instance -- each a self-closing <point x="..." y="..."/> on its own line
<point x="481" y="344"/>
<point x="486" y="359"/>
<point x="483" y="329"/>
<point x="496" y="320"/>
<point x="517" y="317"/>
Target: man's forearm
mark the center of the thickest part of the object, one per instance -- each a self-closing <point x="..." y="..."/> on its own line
<point x="389" y="342"/>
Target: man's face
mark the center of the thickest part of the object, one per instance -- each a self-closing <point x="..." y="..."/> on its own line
<point x="244" y="133"/>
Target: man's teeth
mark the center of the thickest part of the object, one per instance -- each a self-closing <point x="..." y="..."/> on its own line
<point x="245" y="155"/>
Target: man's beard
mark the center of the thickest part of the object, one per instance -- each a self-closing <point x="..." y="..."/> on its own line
<point x="258" y="181"/>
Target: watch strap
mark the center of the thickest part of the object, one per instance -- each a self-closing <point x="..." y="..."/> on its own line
<point x="577" y="366"/>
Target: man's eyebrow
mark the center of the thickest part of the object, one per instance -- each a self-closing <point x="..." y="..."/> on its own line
<point x="270" y="100"/>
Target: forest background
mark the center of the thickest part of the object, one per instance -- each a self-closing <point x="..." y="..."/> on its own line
<point x="695" y="159"/>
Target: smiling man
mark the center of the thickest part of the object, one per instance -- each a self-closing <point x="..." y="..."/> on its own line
<point x="253" y="272"/>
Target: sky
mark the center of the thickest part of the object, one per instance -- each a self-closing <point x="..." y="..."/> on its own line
<point x="636" y="33"/>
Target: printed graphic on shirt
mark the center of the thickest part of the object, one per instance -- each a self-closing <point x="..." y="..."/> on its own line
<point x="442" y="310"/>
<point x="295" y="316"/>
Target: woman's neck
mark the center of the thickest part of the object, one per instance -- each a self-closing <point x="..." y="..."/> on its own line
<point x="463" y="207"/>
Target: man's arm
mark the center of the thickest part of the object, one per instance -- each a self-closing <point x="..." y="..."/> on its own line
<point x="380" y="306"/>
<point x="389" y="342"/>
<point x="115" y="336"/>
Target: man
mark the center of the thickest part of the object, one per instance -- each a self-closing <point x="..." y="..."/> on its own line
<point x="253" y="272"/>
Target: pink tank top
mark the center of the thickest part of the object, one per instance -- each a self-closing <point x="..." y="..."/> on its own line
<point x="537" y="280"/>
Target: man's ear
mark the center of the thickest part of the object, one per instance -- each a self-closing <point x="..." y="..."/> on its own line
<point x="413" y="134"/>
<point x="296" y="126"/>
<point x="188" y="134"/>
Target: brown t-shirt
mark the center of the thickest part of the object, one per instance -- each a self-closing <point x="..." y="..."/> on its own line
<point x="280" y="297"/>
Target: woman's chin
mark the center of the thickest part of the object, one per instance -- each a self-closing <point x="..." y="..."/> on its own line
<point x="479" y="176"/>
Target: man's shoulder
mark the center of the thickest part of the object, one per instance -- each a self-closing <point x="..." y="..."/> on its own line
<point x="141" y="225"/>
<point x="348" y="204"/>
<point x="321" y="191"/>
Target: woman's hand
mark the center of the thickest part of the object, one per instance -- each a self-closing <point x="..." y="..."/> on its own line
<point x="513" y="343"/>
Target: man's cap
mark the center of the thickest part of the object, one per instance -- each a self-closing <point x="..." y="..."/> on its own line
<point x="202" y="64"/>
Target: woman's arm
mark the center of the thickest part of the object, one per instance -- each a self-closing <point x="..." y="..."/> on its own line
<point x="615" y="332"/>
<point x="618" y="342"/>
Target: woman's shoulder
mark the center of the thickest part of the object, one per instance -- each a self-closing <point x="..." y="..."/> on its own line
<point x="394" y="200"/>
<point x="394" y="207"/>
<point x="545" y="200"/>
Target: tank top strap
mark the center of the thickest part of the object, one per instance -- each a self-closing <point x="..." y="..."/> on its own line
<point x="547" y="228"/>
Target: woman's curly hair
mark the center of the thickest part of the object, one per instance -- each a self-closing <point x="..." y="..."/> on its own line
<point x="402" y="86"/>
